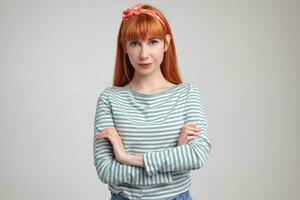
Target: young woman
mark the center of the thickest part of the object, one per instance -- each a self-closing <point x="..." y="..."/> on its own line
<point x="150" y="129"/>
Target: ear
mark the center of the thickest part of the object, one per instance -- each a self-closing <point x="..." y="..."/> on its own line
<point x="167" y="42"/>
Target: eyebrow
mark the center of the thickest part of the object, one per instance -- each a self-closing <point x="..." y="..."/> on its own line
<point x="148" y="39"/>
<point x="152" y="38"/>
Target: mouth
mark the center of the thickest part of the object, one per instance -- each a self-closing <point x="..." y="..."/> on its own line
<point x="145" y="65"/>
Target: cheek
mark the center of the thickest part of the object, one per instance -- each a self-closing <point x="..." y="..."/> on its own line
<point x="159" y="53"/>
<point x="132" y="55"/>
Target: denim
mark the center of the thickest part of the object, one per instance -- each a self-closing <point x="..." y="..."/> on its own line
<point x="183" y="196"/>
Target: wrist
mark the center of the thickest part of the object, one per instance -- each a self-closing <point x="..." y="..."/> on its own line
<point x="134" y="159"/>
<point x="124" y="159"/>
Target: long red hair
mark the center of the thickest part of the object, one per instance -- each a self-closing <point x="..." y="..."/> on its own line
<point x="141" y="27"/>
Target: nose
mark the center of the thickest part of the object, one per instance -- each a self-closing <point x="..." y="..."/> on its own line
<point x="144" y="52"/>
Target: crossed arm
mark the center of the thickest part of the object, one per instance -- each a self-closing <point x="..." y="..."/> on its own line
<point x="109" y="170"/>
<point x="153" y="167"/>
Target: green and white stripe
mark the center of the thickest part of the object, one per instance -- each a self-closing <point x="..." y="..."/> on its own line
<point x="149" y="124"/>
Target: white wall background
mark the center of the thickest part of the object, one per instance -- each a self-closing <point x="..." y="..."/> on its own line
<point x="57" y="56"/>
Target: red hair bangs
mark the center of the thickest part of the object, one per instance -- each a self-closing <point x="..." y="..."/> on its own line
<point x="142" y="27"/>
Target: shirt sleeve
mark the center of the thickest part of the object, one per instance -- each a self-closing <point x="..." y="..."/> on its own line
<point x="185" y="157"/>
<point x="109" y="170"/>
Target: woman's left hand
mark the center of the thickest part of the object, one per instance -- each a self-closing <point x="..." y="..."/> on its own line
<point x="112" y="135"/>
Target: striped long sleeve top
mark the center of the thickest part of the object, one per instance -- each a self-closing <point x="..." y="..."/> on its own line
<point x="149" y="125"/>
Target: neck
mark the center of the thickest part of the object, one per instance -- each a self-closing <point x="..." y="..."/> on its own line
<point x="148" y="82"/>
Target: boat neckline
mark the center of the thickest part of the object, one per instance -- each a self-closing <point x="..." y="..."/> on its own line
<point x="166" y="90"/>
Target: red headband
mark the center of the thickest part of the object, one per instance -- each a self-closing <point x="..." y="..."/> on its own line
<point x="137" y="9"/>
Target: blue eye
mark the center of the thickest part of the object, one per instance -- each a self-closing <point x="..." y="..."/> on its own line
<point x="133" y="43"/>
<point x="153" y="41"/>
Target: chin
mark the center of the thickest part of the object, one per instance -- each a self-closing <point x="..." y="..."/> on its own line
<point x="145" y="72"/>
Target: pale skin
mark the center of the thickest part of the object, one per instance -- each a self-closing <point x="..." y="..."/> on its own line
<point x="146" y="81"/>
<point x="151" y="51"/>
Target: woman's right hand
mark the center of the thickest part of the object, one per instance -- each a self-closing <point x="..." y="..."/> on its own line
<point x="188" y="132"/>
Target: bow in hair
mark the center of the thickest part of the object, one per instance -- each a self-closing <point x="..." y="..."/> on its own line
<point x="136" y="10"/>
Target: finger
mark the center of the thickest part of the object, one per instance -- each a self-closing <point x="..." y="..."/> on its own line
<point x="194" y="133"/>
<point x="107" y="136"/>
<point x="112" y="131"/>
<point x="97" y="134"/>
<point x="101" y="135"/>
<point x="191" y="138"/>
<point x="197" y="128"/>
<point x="189" y="124"/>
<point x="115" y="135"/>
<point x="194" y="128"/>
<point x="112" y="140"/>
<point x="102" y="132"/>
